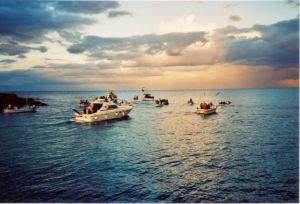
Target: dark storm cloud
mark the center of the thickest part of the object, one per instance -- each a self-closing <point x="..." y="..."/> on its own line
<point x="114" y="14"/>
<point x="86" y="7"/>
<point x="76" y="49"/>
<point x="278" y="47"/>
<point x="7" y="61"/>
<point x="13" y="49"/>
<point x="234" y="18"/>
<point x="30" y="21"/>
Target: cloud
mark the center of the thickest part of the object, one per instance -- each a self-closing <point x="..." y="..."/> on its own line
<point x="13" y="49"/>
<point x="293" y="3"/>
<point x="229" y="5"/>
<point x="183" y="24"/>
<point x="7" y="61"/>
<point x="277" y="47"/>
<point x="234" y="18"/>
<point x="114" y="14"/>
<point x="132" y="47"/>
<point x="258" y="45"/>
<point x="30" y="21"/>
<point x="85" y="7"/>
<point x="266" y="53"/>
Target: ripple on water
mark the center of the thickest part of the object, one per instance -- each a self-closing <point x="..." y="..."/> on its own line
<point x="245" y="153"/>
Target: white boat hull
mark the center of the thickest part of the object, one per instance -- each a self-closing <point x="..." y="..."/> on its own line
<point x="11" y="111"/>
<point x="207" y="111"/>
<point x="104" y="115"/>
<point x="148" y="99"/>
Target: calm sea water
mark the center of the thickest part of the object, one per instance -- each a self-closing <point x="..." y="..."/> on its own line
<point x="248" y="152"/>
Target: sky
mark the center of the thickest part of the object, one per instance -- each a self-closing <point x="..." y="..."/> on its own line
<point x="110" y="45"/>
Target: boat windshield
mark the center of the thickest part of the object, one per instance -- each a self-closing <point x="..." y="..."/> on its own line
<point x="109" y="107"/>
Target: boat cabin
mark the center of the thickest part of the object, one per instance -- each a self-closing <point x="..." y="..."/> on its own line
<point x="147" y="95"/>
<point x="206" y="105"/>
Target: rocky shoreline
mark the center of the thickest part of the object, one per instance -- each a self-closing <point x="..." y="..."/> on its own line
<point x="14" y="100"/>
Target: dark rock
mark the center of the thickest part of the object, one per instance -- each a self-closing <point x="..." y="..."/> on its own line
<point x="14" y="100"/>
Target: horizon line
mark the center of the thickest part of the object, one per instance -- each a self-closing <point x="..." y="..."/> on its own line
<point x="199" y="89"/>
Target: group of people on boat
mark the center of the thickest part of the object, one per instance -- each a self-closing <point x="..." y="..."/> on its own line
<point x="92" y="108"/>
<point x="84" y="103"/>
<point x="205" y="105"/>
<point x="10" y="107"/>
<point x="111" y="96"/>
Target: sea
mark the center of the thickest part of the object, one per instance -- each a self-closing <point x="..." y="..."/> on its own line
<point x="247" y="152"/>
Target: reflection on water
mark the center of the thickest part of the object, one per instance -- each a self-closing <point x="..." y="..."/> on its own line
<point x="247" y="152"/>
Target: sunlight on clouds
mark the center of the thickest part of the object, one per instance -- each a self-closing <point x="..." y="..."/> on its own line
<point x="288" y="83"/>
<point x="176" y="77"/>
<point x="183" y="46"/>
<point x="246" y="35"/>
<point x="185" y="24"/>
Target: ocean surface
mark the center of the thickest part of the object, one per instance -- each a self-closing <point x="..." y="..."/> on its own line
<point x="247" y="152"/>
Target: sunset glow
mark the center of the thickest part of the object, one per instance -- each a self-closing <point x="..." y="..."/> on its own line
<point x="96" y="45"/>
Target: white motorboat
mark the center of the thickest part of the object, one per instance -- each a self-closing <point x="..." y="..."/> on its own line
<point x="207" y="108"/>
<point x="102" y="111"/>
<point x="28" y="109"/>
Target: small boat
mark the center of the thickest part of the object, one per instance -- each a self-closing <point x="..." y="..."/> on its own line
<point x="161" y="102"/>
<point x="158" y="103"/>
<point x="164" y="101"/>
<point x="191" y="102"/>
<point x="101" y="110"/>
<point x="148" y="97"/>
<point x="224" y="103"/>
<point x="10" y="110"/>
<point x="206" y="108"/>
<point x="136" y="98"/>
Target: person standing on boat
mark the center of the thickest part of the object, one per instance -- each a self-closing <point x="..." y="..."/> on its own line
<point x="191" y="101"/>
